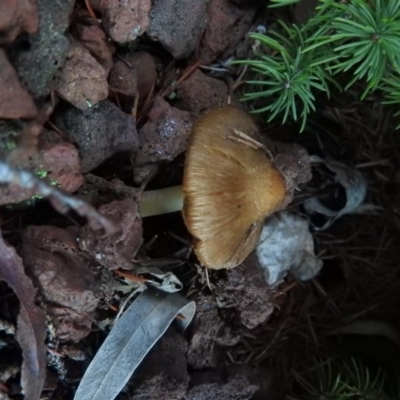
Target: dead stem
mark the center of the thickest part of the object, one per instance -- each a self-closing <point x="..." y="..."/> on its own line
<point x="312" y="330"/>
<point x="241" y="137"/>
<point x="186" y="73"/>
<point x="146" y="106"/>
<point x="91" y="12"/>
<point x="207" y="278"/>
<point x="130" y="276"/>
<point x="239" y="80"/>
<point x="135" y="105"/>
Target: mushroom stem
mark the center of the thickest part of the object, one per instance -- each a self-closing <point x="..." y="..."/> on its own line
<point x="161" y="201"/>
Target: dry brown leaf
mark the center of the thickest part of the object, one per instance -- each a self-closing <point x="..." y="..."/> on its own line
<point x="31" y="330"/>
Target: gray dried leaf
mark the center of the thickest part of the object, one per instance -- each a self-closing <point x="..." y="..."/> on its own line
<point x="132" y="337"/>
<point x="128" y="286"/>
<point x="370" y="328"/>
<point x="31" y="323"/>
<point x="286" y="244"/>
<point x="165" y="281"/>
<point x="7" y="327"/>
<point x="352" y="181"/>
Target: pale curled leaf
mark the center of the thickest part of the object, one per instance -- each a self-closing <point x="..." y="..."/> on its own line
<point x="165" y="281"/>
<point x="132" y="337"/>
<point x="352" y="181"/>
<point x="286" y="244"/>
<point x="31" y="323"/>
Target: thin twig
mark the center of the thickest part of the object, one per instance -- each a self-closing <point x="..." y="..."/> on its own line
<point x="131" y="277"/>
<point x="61" y="201"/>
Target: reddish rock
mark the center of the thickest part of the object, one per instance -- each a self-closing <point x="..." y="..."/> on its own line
<point x="65" y="281"/>
<point x="123" y="79"/>
<point x="227" y="25"/>
<point x="177" y="25"/>
<point x="210" y="335"/>
<point x="60" y="165"/>
<point x="162" y="138"/>
<point x="137" y="73"/>
<point x="10" y="129"/>
<point x="17" y="16"/>
<point x="124" y="20"/>
<point x="99" y="132"/>
<point x="146" y="69"/>
<point x="69" y="324"/>
<point x="304" y="10"/>
<point x="15" y="101"/>
<point x="51" y="255"/>
<point x="200" y="92"/>
<point x="95" y="40"/>
<point x="163" y="373"/>
<point x="98" y="191"/>
<point x="235" y="382"/>
<point x="249" y="292"/>
<point x="294" y="163"/>
<point x="119" y="249"/>
<point x="82" y="81"/>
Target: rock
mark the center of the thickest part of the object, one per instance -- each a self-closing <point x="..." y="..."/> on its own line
<point x="94" y="39"/>
<point x="163" y="373"/>
<point x="10" y="130"/>
<point x="227" y="25"/>
<point x="146" y="70"/>
<point x="82" y="81"/>
<point x="48" y="47"/>
<point x="69" y="324"/>
<point x="124" y="20"/>
<point x="62" y="166"/>
<point x="99" y="132"/>
<point x="123" y="79"/>
<point x="249" y="293"/>
<point x="59" y="163"/>
<point x="163" y="136"/>
<point x="243" y="3"/>
<point x="177" y="25"/>
<point x="200" y="92"/>
<point x="15" y="101"/>
<point x="68" y="286"/>
<point x="119" y="249"/>
<point x="136" y="74"/>
<point x="294" y="163"/>
<point x="236" y="382"/>
<point x="304" y="10"/>
<point x="17" y="16"/>
<point x="54" y="262"/>
<point x="210" y="334"/>
<point x="98" y="191"/>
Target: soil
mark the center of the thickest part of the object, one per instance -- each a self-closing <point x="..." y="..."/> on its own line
<point x="98" y="98"/>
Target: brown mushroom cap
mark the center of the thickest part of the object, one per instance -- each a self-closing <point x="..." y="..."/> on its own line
<point x="229" y="188"/>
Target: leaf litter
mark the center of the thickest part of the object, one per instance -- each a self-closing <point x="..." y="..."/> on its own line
<point x="286" y="244"/>
<point x="242" y="319"/>
<point x="131" y="338"/>
<point x="31" y="322"/>
<point x="355" y="187"/>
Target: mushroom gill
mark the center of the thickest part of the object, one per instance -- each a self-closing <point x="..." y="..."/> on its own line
<point x="229" y="187"/>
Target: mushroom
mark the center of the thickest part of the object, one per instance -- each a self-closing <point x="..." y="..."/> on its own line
<point x="230" y="185"/>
